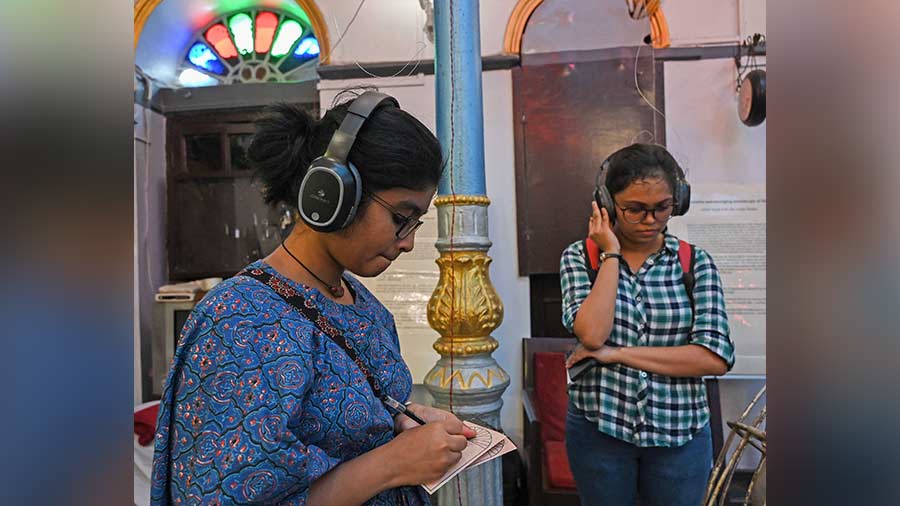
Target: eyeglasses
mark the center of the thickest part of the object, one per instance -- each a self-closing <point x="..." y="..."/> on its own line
<point x="405" y="224"/>
<point x="635" y="215"/>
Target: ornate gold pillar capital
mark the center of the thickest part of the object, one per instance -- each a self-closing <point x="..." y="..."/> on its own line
<point x="465" y="307"/>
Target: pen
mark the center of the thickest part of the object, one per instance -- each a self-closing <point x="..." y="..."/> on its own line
<point x="399" y="407"/>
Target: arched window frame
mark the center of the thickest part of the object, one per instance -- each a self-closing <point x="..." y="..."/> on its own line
<point x="251" y="67"/>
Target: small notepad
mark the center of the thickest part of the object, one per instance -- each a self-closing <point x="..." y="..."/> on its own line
<point x="485" y="446"/>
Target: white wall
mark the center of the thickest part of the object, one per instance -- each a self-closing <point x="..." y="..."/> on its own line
<point x="150" y="231"/>
<point x="753" y="17"/>
<point x="396" y="25"/>
<point x="703" y="21"/>
<point x="714" y="21"/>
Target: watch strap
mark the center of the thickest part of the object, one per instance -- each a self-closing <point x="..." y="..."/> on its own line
<point x="604" y="256"/>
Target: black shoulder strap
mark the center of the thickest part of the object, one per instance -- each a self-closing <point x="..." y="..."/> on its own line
<point x="308" y="309"/>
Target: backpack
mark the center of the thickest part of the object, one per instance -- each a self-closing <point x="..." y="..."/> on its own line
<point x="685" y="255"/>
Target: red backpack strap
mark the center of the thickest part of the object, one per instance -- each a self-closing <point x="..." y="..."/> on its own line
<point x="686" y="257"/>
<point x="593" y="252"/>
<point x="591" y="258"/>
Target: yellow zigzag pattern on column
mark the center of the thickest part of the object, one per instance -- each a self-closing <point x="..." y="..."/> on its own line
<point x="445" y="380"/>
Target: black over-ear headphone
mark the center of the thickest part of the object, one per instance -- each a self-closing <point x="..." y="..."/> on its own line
<point x="681" y="194"/>
<point x="331" y="188"/>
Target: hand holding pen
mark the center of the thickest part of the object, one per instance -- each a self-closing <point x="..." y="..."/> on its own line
<point x="406" y="418"/>
<point x="401" y="409"/>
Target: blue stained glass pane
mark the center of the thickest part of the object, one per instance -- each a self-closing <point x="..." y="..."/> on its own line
<point x="202" y="56"/>
<point x="307" y="47"/>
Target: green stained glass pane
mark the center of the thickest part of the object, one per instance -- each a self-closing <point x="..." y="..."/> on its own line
<point x="304" y="17"/>
<point x="241" y="27"/>
<point x="288" y="33"/>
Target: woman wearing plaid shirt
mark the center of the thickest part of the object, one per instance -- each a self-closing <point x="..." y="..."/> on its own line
<point x="638" y="424"/>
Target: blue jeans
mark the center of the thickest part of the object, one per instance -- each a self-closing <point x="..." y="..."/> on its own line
<point x="611" y="472"/>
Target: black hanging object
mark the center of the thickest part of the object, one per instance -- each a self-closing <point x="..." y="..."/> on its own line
<point x="752" y="98"/>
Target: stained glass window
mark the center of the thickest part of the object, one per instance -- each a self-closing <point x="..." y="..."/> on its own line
<point x="266" y="23"/>
<point x="255" y="45"/>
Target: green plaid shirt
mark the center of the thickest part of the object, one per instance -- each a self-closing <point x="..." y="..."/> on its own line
<point x="652" y="309"/>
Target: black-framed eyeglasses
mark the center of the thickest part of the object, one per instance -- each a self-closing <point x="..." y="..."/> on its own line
<point x="405" y="224"/>
<point x="635" y="215"/>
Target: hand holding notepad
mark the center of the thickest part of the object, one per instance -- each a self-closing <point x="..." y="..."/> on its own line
<point x="486" y="445"/>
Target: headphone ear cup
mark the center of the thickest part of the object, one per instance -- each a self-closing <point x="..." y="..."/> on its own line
<point x="682" y="198"/>
<point x="355" y="194"/>
<point x="329" y="195"/>
<point x="604" y="200"/>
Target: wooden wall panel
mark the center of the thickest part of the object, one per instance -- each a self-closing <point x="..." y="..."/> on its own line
<point x="569" y="117"/>
<point x="571" y="111"/>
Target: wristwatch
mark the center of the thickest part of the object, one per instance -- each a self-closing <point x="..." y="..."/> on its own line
<point x="604" y="255"/>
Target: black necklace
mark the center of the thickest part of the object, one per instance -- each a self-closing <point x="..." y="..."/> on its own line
<point x="337" y="291"/>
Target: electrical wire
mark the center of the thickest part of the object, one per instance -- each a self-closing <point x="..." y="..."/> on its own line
<point x="637" y="54"/>
<point x="420" y="44"/>
<point x="452" y="232"/>
<point x="637" y="86"/>
<point x="422" y="47"/>
<point x="350" y="23"/>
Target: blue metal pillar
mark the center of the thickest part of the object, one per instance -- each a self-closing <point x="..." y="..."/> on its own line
<point x="464" y="308"/>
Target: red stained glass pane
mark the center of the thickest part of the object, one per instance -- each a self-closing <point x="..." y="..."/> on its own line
<point x="266" y="24"/>
<point x="218" y="36"/>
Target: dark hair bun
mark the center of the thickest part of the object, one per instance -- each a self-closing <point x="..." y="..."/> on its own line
<point x="278" y="150"/>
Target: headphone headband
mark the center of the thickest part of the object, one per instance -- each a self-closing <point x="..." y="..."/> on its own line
<point x="357" y="114"/>
<point x="332" y="187"/>
<point x="605" y="166"/>
<point x="681" y="192"/>
<point x="601" y="176"/>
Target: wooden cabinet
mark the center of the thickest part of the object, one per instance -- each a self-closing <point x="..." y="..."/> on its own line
<point x="217" y="222"/>
<point x="571" y="111"/>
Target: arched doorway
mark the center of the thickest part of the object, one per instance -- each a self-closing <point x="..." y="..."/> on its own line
<point x="521" y="14"/>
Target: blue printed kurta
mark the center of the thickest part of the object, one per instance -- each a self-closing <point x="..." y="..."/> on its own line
<point x="259" y="403"/>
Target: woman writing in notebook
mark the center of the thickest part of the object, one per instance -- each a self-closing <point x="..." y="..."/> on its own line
<point x="638" y="421"/>
<point x="287" y="379"/>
